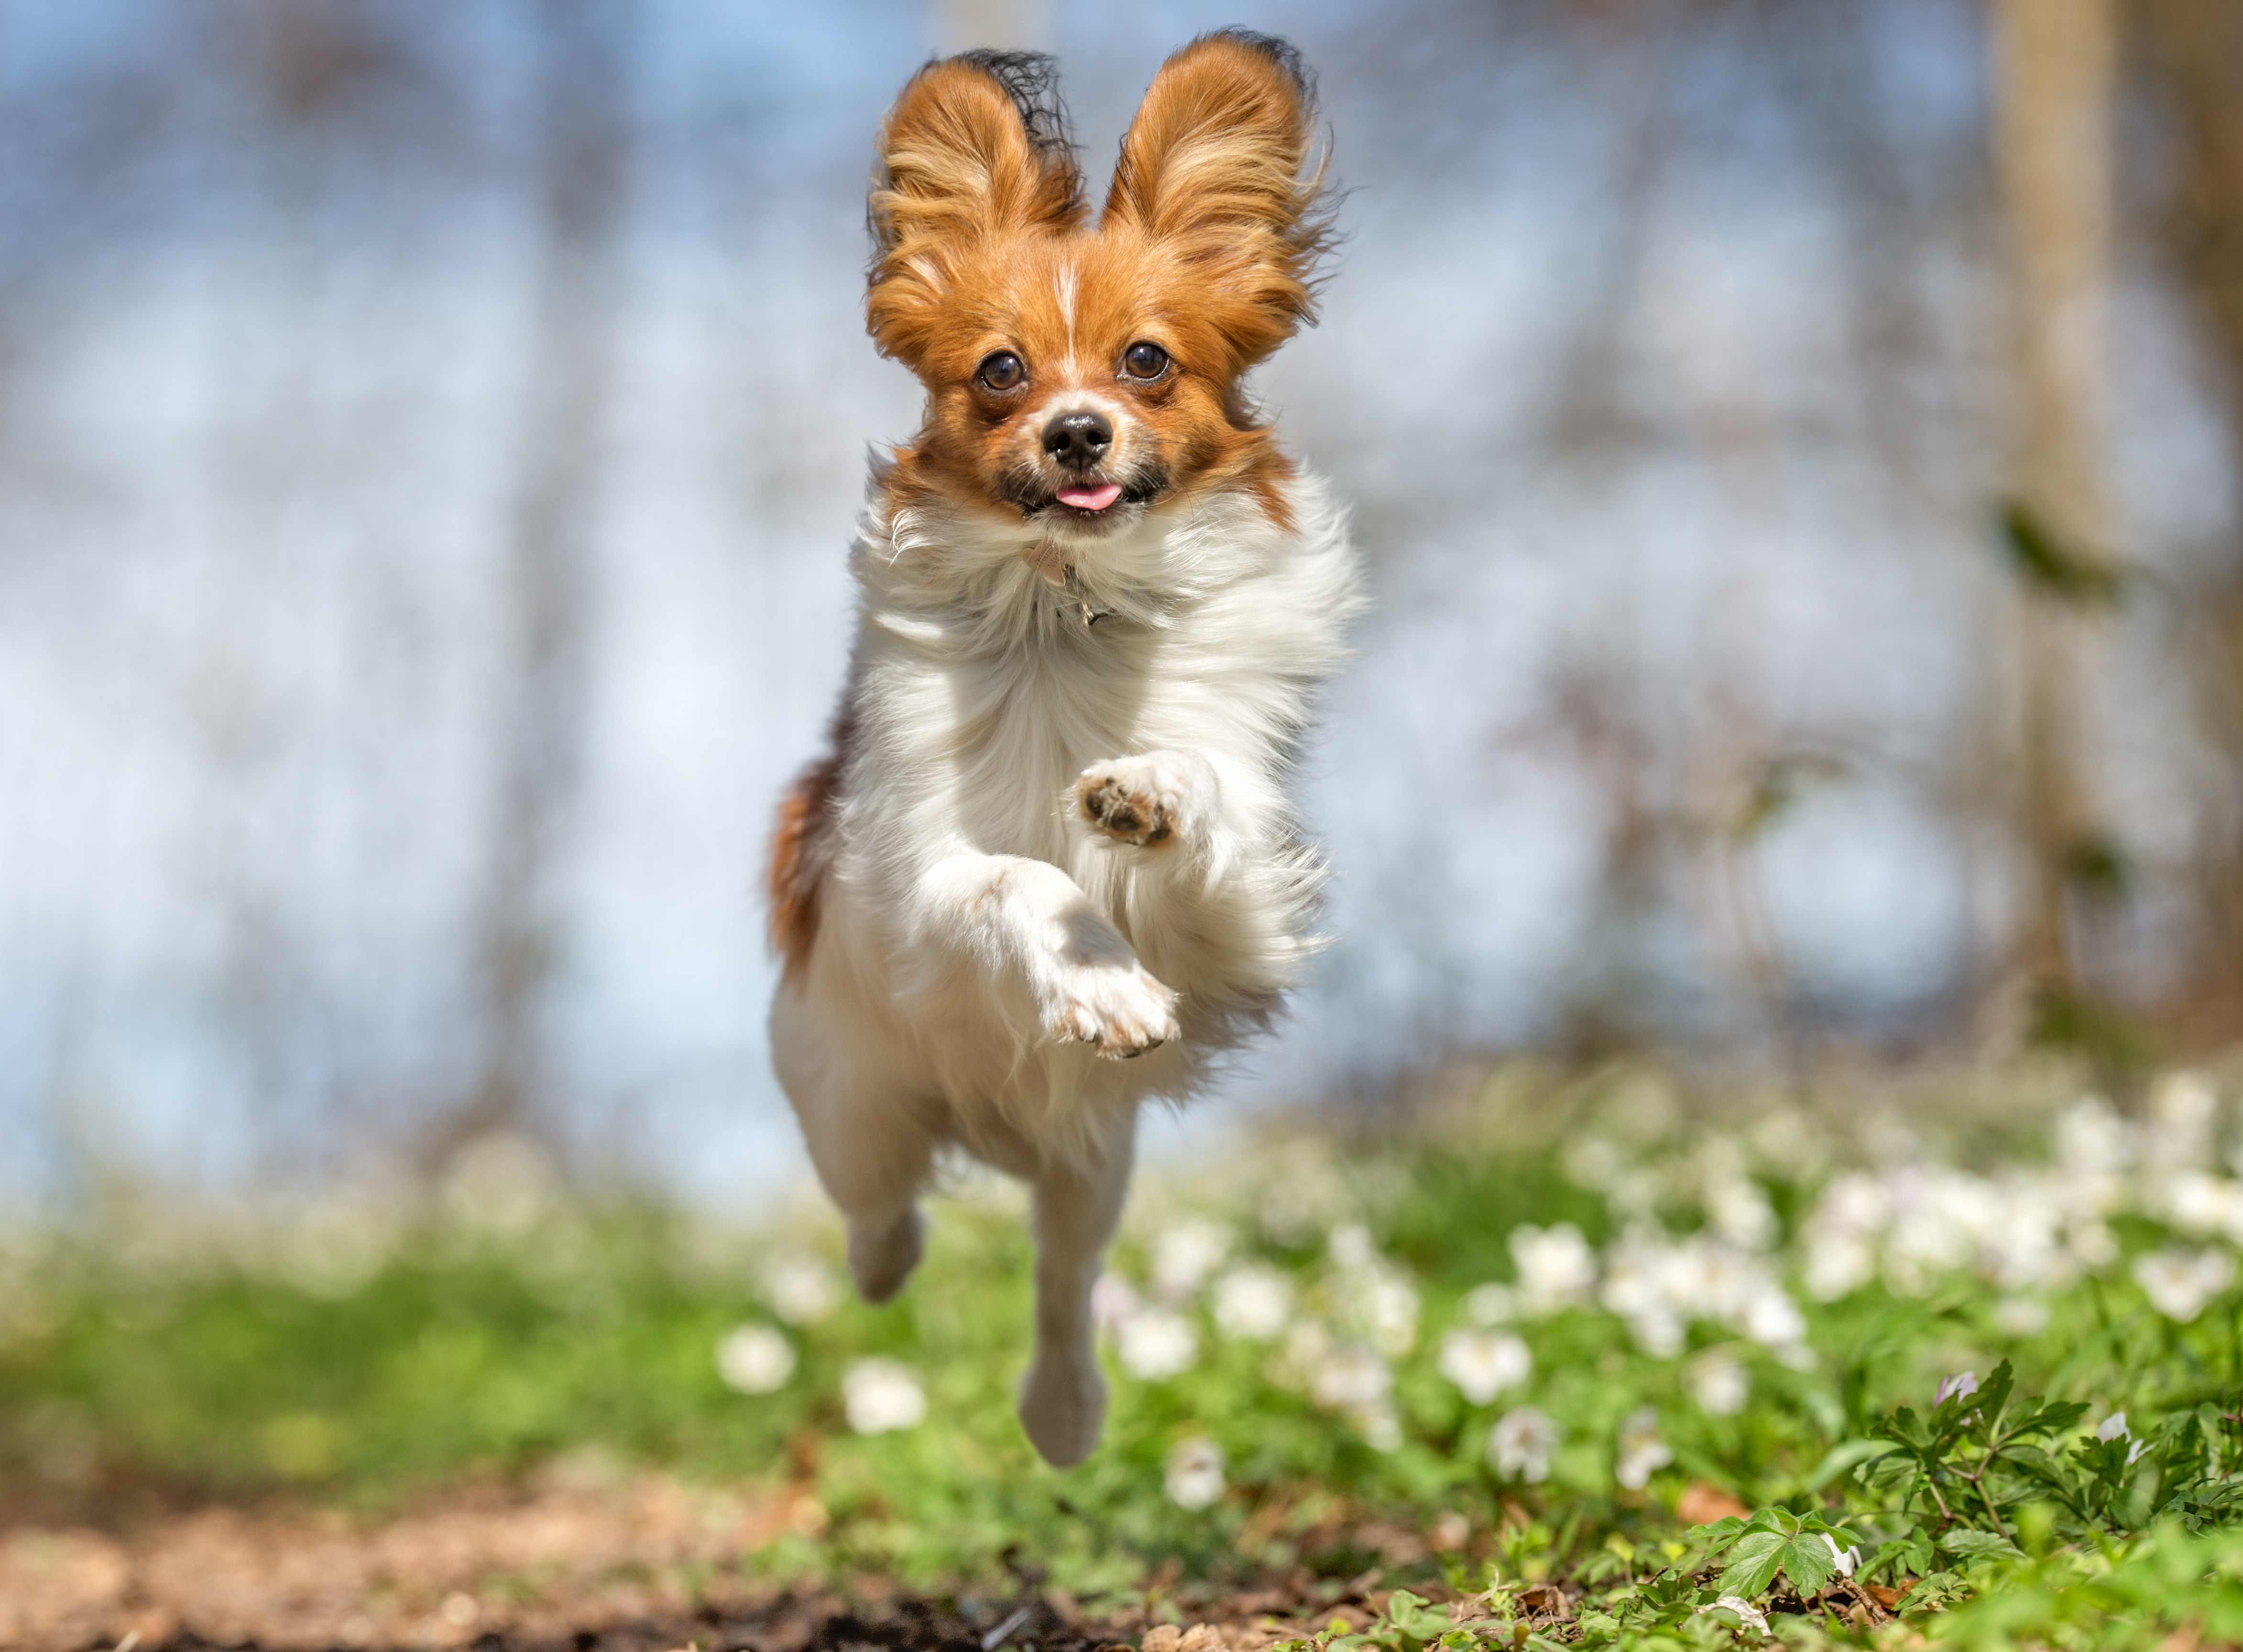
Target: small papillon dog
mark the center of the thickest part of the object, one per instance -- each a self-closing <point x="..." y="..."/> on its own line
<point x="1049" y="868"/>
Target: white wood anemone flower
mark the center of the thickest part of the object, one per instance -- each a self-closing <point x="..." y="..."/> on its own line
<point x="881" y="1396"/>
<point x="1194" y="1477"/>
<point x="1483" y="1363"/>
<point x="1520" y="1445"/>
<point x="754" y="1359"/>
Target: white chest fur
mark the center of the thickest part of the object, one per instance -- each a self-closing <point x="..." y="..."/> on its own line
<point x="982" y="693"/>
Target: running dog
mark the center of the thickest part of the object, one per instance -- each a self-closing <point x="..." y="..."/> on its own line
<point x="1049" y="868"/>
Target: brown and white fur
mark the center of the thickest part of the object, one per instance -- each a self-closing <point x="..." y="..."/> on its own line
<point x="1049" y="868"/>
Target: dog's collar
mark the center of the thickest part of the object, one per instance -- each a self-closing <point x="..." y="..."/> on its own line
<point x="1050" y="562"/>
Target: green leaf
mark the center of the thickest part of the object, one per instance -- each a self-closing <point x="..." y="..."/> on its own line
<point x="1412" y="1615"/>
<point x="1781" y="1521"/>
<point x="1842" y="1456"/>
<point x="1888" y="1473"/>
<point x="2054" y="568"/>
<point x="1964" y="1543"/>
<point x="1903" y="1427"/>
<point x="1993" y="1397"/>
<point x="1752" y="1564"/>
<point x="1808" y="1563"/>
<point x="2034" y="1462"/>
<point x="2104" y="1459"/>
<point x="1778" y="788"/>
<point x="2047" y="1417"/>
<point x="1934" y="1590"/>
<point x="1909" y="1554"/>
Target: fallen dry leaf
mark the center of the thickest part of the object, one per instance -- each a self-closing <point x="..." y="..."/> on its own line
<point x="1547" y="1599"/>
<point x="1701" y="1504"/>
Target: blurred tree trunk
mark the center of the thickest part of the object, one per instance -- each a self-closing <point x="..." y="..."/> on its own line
<point x="2193" y="50"/>
<point x="961" y="25"/>
<point x="583" y="162"/>
<point x="2052" y="62"/>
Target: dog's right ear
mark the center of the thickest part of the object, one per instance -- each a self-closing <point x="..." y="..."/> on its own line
<point x="975" y="149"/>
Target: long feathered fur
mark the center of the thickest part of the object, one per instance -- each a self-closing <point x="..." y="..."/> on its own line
<point x="1055" y="825"/>
<point x="1218" y="165"/>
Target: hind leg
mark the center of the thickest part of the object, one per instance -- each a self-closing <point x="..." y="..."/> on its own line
<point x="869" y="1139"/>
<point x="1063" y="1398"/>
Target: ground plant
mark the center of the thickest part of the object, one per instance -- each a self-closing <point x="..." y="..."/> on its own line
<point x="1564" y="1360"/>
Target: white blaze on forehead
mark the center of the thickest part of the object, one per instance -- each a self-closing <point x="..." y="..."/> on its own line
<point x="1065" y="286"/>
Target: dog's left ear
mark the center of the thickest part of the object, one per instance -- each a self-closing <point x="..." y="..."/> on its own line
<point x="976" y="148"/>
<point x="1217" y="168"/>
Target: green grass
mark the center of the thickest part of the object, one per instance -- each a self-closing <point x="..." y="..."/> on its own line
<point x="1769" y="1290"/>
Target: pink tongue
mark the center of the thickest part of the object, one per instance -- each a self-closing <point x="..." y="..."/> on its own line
<point x="1091" y="499"/>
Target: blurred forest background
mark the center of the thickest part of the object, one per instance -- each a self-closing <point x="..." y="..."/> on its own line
<point x="1795" y="446"/>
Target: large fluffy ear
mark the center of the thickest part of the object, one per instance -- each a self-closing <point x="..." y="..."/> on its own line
<point x="1216" y="166"/>
<point x="975" y="148"/>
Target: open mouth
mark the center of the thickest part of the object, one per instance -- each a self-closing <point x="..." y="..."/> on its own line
<point x="1082" y="499"/>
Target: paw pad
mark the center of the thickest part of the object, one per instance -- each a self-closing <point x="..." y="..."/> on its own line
<point x="1132" y="816"/>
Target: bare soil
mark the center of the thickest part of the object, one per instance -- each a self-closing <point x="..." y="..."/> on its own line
<point x="583" y="1563"/>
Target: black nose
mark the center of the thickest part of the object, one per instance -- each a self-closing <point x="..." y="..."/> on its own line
<point x="1079" y="439"/>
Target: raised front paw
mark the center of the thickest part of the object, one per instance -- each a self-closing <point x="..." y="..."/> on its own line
<point x="1118" y="1007"/>
<point x="1147" y="801"/>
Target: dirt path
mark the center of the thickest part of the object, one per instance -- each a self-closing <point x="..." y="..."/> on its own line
<point x="639" y="1565"/>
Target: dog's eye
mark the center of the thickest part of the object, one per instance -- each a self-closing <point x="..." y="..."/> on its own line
<point x="1002" y="371"/>
<point x="1145" y="359"/>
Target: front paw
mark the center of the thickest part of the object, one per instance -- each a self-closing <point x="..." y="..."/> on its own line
<point x="1145" y="801"/>
<point x="1117" y="1007"/>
